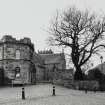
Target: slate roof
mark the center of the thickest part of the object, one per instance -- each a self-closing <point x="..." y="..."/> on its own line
<point x="101" y="67"/>
<point x="52" y="58"/>
<point x="37" y="59"/>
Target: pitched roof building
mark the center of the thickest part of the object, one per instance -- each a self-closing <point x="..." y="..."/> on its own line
<point x="100" y="67"/>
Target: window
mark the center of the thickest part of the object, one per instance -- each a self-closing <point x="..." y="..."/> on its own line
<point x="17" y="54"/>
<point x="10" y="53"/>
<point x="17" y="72"/>
<point x="17" y="75"/>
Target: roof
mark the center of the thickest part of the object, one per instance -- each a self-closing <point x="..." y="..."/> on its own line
<point x="52" y="58"/>
<point x="38" y="59"/>
<point x="101" y="67"/>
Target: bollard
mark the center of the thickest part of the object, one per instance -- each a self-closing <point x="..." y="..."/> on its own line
<point x="53" y="91"/>
<point x="23" y="94"/>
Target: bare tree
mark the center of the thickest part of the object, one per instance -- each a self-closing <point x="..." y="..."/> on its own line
<point x="82" y="32"/>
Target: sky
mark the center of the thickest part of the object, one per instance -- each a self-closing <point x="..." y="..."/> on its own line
<point x="32" y="18"/>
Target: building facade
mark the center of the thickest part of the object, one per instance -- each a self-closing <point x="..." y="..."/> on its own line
<point x="40" y="67"/>
<point x="16" y="60"/>
<point x="53" y="63"/>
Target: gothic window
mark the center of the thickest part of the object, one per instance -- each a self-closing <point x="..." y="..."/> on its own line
<point x="17" y="54"/>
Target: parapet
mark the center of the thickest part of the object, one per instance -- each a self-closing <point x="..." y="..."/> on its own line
<point x="10" y="39"/>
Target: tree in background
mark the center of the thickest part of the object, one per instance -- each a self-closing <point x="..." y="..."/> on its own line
<point x="80" y="31"/>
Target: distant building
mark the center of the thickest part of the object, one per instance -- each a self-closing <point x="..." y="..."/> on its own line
<point x="98" y="74"/>
<point x="100" y="67"/>
<point x="16" y="60"/>
<point x="52" y="62"/>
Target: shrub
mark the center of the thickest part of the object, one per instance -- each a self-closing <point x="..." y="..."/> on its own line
<point x="86" y="85"/>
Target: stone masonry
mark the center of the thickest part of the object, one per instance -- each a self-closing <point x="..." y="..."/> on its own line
<point x="16" y="59"/>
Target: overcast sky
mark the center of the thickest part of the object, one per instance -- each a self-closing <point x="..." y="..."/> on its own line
<point x="30" y="18"/>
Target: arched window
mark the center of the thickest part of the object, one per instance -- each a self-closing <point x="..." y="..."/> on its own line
<point x="17" y="72"/>
<point x="17" y="54"/>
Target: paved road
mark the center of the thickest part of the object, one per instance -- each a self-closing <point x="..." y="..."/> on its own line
<point x="42" y="95"/>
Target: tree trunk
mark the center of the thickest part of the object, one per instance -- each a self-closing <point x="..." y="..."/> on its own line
<point x="78" y="74"/>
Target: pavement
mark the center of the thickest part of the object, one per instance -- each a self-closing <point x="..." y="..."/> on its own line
<point x="41" y="94"/>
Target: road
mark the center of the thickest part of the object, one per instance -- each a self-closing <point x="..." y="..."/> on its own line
<point x="42" y="95"/>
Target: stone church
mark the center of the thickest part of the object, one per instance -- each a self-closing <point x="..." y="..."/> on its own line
<point x="52" y="62"/>
<point x="20" y="64"/>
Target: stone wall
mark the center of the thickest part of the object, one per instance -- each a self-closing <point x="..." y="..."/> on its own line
<point x="40" y="73"/>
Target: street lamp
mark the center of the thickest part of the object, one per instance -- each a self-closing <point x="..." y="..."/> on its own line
<point x="91" y="64"/>
<point x="101" y="59"/>
<point x="53" y="80"/>
<point x="101" y="62"/>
